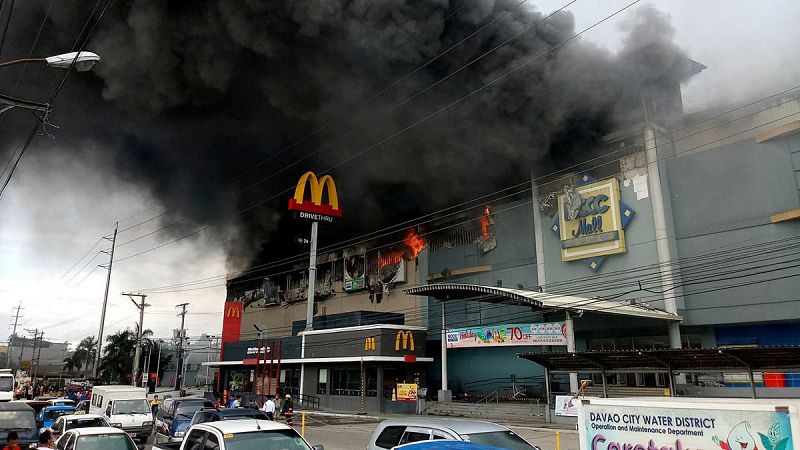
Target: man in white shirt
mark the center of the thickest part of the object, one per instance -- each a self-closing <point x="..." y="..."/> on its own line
<point x="269" y="408"/>
<point x="237" y="402"/>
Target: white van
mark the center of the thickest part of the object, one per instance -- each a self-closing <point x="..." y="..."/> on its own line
<point x="124" y="407"/>
<point x="6" y="385"/>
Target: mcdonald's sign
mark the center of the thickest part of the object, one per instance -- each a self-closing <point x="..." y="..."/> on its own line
<point x="369" y="343"/>
<point x="232" y="322"/>
<point x="406" y="339"/>
<point x="233" y="311"/>
<point x="314" y="209"/>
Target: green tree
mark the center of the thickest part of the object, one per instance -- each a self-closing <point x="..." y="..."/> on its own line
<point x="116" y="364"/>
<point x="87" y="351"/>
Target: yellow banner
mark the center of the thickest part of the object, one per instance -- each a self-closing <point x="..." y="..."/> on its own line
<point x="406" y="392"/>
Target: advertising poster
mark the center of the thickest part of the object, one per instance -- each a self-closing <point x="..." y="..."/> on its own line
<point x="548" y="333"/>
<point x="406" y="392"/>
<point x="643" y="428"/>
<point x="567" y="405"/>
<point x="354" y="273"/>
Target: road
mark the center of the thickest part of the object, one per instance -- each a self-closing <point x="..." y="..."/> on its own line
<point x="356" y="436"/>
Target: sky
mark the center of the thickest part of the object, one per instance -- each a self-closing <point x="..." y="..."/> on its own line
<point x="750" y="49"/>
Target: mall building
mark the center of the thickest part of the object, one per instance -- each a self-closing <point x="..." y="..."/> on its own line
<point x="680" y="233"/>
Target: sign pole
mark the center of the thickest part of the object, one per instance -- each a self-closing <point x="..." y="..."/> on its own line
<point x="312" y="281"/>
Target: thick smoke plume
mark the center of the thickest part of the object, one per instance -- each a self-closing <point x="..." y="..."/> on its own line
<point x="191" y="93"/>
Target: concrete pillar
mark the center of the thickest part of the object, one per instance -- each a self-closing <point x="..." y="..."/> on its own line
<point x="573" y="377"/>
<point x="445" y="395"/>
<point x="662" y="238"/>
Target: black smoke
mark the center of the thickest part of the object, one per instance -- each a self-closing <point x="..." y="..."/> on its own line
<point x="192" y="93"/>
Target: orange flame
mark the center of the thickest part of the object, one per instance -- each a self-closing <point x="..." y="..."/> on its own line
<point x="414" y="242"/>
<point x="485" y="220"/>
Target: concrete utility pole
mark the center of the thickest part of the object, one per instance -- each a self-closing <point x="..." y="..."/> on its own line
<point x="179" y="366"/>
<point x="105" y="301"/>
<point x="158" y="363"/>
<point x="33" y="368"/>
<point x="141" y="306"/>
<point x="12" y="336"/>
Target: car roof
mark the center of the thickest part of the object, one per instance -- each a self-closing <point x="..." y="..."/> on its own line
<point x="242" y="426"/>
<point x="71" y="417"/>
<point x="93" y="431"/>
<point x="460" y="426"/>
<point x="15" y="406"/>
<point x="445" y="445"/>
<point x="59" y="408"/>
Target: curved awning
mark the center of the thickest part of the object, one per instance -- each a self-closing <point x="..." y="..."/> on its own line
<point x="543" y="300"/>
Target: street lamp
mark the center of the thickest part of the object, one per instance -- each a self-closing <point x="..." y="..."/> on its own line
<point x="80" y="61"/>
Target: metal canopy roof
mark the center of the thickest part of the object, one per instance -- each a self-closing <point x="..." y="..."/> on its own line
<point x="678" y="360"/>
<point x="453" y="291"/>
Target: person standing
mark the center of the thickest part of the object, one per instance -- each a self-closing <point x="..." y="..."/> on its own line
<point x="287" y="410"/>
<point x="237" y="403"/>
<point x="154" y="405"/>
<point x="269" y="408"/>
<point x="46" y="440"/>
<point x="12" y="441"/>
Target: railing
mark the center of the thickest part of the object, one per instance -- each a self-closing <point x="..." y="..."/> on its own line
<point x="488" y="397"/>
<point x="308" y="401"/>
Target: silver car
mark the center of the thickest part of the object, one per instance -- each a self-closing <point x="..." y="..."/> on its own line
<point x="393" y="432"/>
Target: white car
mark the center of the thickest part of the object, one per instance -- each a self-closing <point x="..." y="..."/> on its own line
<point x="100" y="438"/>
<point x="242" y="434"/>
<point x="73" y="421"/>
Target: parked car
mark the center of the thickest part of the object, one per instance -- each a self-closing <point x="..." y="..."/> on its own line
<point x="49" y="414"/>
<point x="102" y="438"/>
<point x="175" y="415"/>
<point x="83" y="407"/>
<point x="445" y="445"/>
<point x="62" y="402"/>
<point x="240" y="435"/>
<point x="73" y="421"/>
<point x="216" y="415"/>
<point x="17" y="416"/>
<point x="396" y="432"/>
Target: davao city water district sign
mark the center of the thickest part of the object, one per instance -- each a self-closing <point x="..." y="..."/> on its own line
<point x="593" y="226"/>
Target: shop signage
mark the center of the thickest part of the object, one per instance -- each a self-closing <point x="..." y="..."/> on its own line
<point x="406" y="338"/>
<point x="406" y="392"/>
<point x="314" y="209"/>
<point x="615" y="428"/>
<point x="232" y="322"/>
<point x="548" y="333"/>
<point x="355" y="278"/>
<point x="591" y="223"/>
<point x="369" y="343"/>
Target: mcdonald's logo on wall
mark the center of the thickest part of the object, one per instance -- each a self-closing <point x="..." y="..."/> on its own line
<point x="369" y="343"/>
<point x="232" y="321"/>
<point x="314" y="209"/>
<point x="404" y="341"/>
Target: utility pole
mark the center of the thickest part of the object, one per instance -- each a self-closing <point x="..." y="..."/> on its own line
<point x="141" y="306"/>
<point x="13" y="335"/>
<point x="105" y="300"/>
<point x="179" y="366"/>
<point x="36" y="338"/>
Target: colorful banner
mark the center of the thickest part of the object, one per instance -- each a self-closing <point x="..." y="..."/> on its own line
<point x="605" y="427"/>
<point x="406" y="392"/>
<point x="548" y="333"/>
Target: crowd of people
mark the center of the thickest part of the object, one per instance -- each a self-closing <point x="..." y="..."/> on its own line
<point x="46" y="441"/>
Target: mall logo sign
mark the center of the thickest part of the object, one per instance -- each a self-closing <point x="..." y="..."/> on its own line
<point x="591" y="222"/>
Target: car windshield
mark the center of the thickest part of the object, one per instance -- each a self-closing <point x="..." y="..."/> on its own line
<point x="503" y="439"/>
<point x="255" y="415"/>
<point x="283" y="439"/>
<point x="130" y="407"/>
<point x="90" y="422"/>
<point x="105" y="442"/>
<point x="6" y="383"/>
<point x="188" y="409"/>
<point x="55" y="414"/>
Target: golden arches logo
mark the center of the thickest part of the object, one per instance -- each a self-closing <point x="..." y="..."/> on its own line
<point x="318" y="187"/>
<point x="369" y="343"/>
<point x="233" y="311"/>
<point x="406" y="338"/>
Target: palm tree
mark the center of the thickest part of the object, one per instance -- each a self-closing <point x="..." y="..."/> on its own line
<point x="87" y="351"/>
<point x="118" y="354"/>
<point x="73" y="362"/>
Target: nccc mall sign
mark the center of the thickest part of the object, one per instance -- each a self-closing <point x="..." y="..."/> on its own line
<point x="598" y="228"/>
<point x="314" y="209"/>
